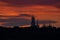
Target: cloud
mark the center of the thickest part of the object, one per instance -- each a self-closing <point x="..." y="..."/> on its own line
<point x="27" y="15"/>
<point x="22" y="3"/>
<point x="15" y="22"/>
<point x="3" y="3"/>
<point x="22" y="21"/>
<point x="46" y="21"/>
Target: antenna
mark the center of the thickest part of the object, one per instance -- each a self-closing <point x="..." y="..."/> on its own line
<point x="37" y="23"/>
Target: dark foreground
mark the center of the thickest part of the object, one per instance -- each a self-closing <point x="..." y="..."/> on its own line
<point x="29" y="34"/>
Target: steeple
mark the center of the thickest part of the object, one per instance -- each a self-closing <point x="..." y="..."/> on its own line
<point x="33" y="21"/>
<point x="35" y="27"/>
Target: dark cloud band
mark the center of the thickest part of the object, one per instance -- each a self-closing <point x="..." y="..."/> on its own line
<point x="21" y="3"/>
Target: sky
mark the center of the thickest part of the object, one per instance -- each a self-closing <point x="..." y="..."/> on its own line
<point x="18" y="12"/>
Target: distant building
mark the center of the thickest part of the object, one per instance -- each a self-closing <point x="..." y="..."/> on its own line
<point x="33" y="21"/>
<point x="33" y="25"/>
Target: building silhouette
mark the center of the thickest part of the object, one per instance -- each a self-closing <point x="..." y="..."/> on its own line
<point x="33" y="22"/>
<point x="32" y="32"/>
<point x="34" y="26"/>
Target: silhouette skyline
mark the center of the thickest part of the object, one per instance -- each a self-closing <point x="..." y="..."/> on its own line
<point x="33" y="32"/>
<point x="35" y="24"/>
<point x="29" y="19"/>
<point x="24" y="21"/>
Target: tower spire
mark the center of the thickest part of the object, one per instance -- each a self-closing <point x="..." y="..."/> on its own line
<point x="33" y="25"/>
<point x="33" y="21"/>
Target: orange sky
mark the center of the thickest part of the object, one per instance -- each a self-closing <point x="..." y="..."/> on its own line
<point x="41" y="12"/>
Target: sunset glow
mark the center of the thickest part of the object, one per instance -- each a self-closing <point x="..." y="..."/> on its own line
<point x="41" y="12"/>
